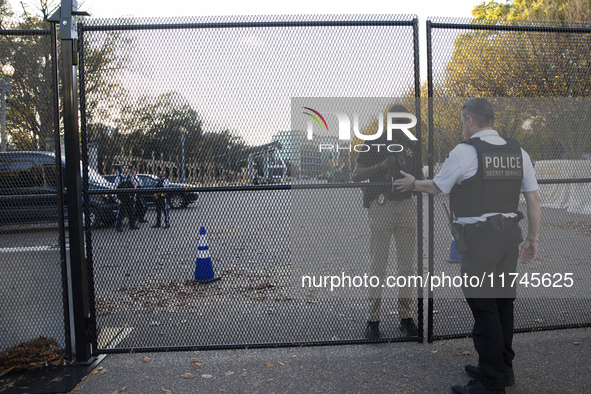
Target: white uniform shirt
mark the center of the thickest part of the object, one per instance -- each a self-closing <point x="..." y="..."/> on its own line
<point x="462" y="163"/>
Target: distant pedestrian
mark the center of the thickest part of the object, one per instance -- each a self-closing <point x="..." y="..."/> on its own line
<point x="140" y="204"/>
<point x="161" y="201"/>
<point x="125" y="200"/>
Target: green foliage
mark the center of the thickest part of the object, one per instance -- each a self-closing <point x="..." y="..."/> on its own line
<point x="526" y="64"/>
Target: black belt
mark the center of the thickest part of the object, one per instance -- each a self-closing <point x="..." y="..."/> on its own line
<point x="505" y="222"/>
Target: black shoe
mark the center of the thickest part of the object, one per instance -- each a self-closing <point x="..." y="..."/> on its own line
<point x="475" y="386"/>
<point x="119" y="229"/>
<point x="473" y="370"/>
<point x="156" y="226"/>
<point x="409" y="328"/>
<point x="166" y="226"/>
<point x="372" y="331"/>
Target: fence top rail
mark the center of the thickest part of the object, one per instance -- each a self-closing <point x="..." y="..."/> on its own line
<point x="537" y="29"/>
<point x="25" y="32"/>
<point x="226" y="25"/>
<point x="290" y="186"/>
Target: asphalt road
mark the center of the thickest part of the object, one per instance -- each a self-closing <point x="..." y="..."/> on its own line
<point x="261" y="243"/>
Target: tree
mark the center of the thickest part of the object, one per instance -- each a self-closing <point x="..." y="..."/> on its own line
<point x="527" y="65"/>
<point x="31" y="104"/>
<point x="31" y="107"/>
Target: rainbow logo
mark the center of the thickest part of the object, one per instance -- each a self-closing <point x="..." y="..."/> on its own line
<point x="315" y="118"/>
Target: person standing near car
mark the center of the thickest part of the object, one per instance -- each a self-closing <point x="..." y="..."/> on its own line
<point x="161" y="201"/>
<point x="140" y="205"/>
<point x="125" y="200"/>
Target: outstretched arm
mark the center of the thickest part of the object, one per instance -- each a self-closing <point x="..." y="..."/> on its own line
<point x="406" y="184"/>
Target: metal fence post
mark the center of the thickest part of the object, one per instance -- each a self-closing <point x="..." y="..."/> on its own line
<point x="419" y="162"/>
<point x="431" y="198"/>
<point x="69" y="54"/>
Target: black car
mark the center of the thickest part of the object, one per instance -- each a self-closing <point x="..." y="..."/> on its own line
<point x="176" y="199"/>
<point x="28" y="190"/>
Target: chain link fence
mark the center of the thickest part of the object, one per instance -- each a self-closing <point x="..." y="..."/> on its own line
<point x="34" y="289"/>
<point x="200" y="110"/>
<point x="537" y="77"/>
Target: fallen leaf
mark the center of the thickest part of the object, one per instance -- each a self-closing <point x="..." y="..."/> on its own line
<point x="118" y="391"/>
<point x="577" y="343"/>
<point x="229" y="373"/>
<point x="147" y="359"/>
<point x="196" y="352"/>
<point x="280" y="362"/>
<point x="464" y="353"/>
<point x="268" y="365"/>
<point x="166" y="391"/>
<point x="187" y="376"/>
<point x="206" y="376"/>
<point x="244" y="373"/>
<point x="538" y="320"/>
<point x="269" y="380"/>
<point x="434" y="351"/>
<point x="57" y="379"/>
<point x="196" y="364"/>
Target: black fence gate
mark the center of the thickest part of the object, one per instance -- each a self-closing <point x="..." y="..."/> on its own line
<point x="537" y="77"/>
<point x="33" y="272"/>
<point x="207" y="102"/>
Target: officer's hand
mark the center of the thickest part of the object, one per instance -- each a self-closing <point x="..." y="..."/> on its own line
<point x="155" y="196"/>
<point x="404" y="184"/>
<point x="388" y="163"/>
<point x="118" y="201"/>
<point x="529" y="251"/>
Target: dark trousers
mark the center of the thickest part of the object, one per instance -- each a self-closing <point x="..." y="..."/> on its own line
<point x="161" y="207"/>
<point x="125" y="209"/>
<point x="140" y="208"/>
<point x="492" y="251"/>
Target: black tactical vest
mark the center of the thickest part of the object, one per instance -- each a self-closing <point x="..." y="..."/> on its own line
<point x="125" y="182"/>
<point x="497" y="183"/>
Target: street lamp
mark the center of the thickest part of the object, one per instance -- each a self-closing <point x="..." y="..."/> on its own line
<point x="8" y="72"/>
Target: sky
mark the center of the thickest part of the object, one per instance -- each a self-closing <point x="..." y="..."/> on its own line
<point x="251" y="95"/>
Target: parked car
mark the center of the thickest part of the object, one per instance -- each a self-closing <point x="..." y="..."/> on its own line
<point x="28" y="190"/>
<point x="176" y="199"/>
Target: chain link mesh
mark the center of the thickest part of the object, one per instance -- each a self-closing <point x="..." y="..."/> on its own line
<point x="537" y="76"/>
<point x="207" y="102"/>
<point x="32" y="278"/>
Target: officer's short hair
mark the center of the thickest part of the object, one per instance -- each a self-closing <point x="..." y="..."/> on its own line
<point x="481" y="110"/>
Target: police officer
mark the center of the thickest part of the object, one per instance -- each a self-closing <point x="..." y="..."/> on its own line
<point x="390" y="213"/>
<point x="140" y="205"/>
<point x="161" y="200"/>
<point x="125" y="201"/>
<point x="484" y="176"/>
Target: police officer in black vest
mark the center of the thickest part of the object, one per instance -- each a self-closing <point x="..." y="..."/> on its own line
<point x="140" y="205"/>
<point x="125" y="201"/>
<point x="391" y="214"/>
<point x="485" y="176"/>
<point x="161" y="201"/>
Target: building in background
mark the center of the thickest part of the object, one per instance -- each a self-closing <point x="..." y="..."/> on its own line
<point x="303" y="156"/>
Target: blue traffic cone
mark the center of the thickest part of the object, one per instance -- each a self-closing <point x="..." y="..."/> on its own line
<point x="454" y="256"/>
<point x="203" y="266"/>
